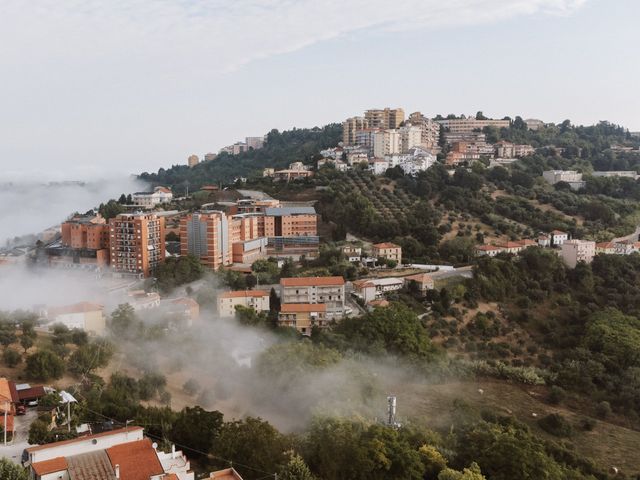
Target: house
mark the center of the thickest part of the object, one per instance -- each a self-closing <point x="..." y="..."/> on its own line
<point x="423" y="281"/>
<point x="226" y="474"/>
<point x="558" y="238"/>
<point x="607" y="248"/>
<point x="8" y="396"/>
<point x="118" y="454"/>
<point x="255" y="299"/>
<point x="151" y="199"/>
<point x="303" y="316"/>
<point x="376" y="288"/>
<point x="373" y="304"/>
<point x="626" y="247"/>
<point x="544" y="241"/>
<point x="488" y="250"/>
<point x="327" y="290"/>
<point x="184" y="310"/>
<point x="388" y="251"/>
<point x="141" y="300"/>
<point x="30" y="394"/>
<point x="353" y="253"/>
<point x="512" y="247"/>
<point x="86" y="316"/>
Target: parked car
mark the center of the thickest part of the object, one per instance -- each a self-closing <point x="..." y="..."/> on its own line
<point x="32" y="403"/>
<point x="21" y="409"/>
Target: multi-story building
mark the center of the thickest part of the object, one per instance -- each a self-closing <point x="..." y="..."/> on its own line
<point x="193" y="160"/>
<point x="410" y="137"/>
<point x="291" y="229"/>
<point x="303" y="316"/>
<point x="254" y="143"/>
<point x="208" y="157"/>
<point x="388" y="251"/>
<point x="523" y="150"/>
<point x="312" y="290"/>
<point x="558" y="237"/>
<point x="296" y="171"/>
<point x="136" y="243"/>
<point x="534" y="124"/>
<point x="386" y="142"/>
<point x="205" y="235"/>
<point x="430" y="129"/>
<point x="350" y="127"/>
<point x="573" y="178"/>
<point x="365" y="139"/>
<point x="84" y="242"/>
<point x="617" y="173"/>
<point x="471" y="124"/>
<point x="151" y="199"/>
<point x="574" y="251"/>
<point x="117" y="454"/>
<point x="256" y="299"/>
<point x="387" y="118"/>
<point x="85" y="316"/>
<point x="375" y="288"/>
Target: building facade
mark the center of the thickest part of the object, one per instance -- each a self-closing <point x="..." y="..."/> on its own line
<point x="388" y="251"/>
<point x="471" y="124"/>
<point x="387" y="118"/>
<point x="329" y="291"/>
<point x="303" y="316"/>
<point x="386" y="142"/>
<point x="136" y="243"/>
<point x="205" y="235"/>
<point x="255" y="299"/>
<point x="574" y="251"/>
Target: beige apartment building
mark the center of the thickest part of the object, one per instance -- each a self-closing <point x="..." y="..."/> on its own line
<point x="205" y="235"/>
<point x="387" y="118"/>
<point x="255" y="299"/>
<point x="350" y="127"/>
<point x="387" y="250"/>
<point x="574" y="251"/>
<point x="460" y="125"/>
<point x="136" y="243"/>
<point x="386" y="142"/>
<point x="303" y="316"/>
<point x="193" y="160"/>
<point x="312" y="290"/>
<point x="410" y="137"/>
<point x="430" y="129"/>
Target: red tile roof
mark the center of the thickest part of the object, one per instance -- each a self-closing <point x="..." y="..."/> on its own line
<point x="558" y="232"/>
<point x="138" y="460"/>
<point x="386" y="245"/>
<point x="31" y="393"/>
<point x="311" y="281"/>
<point x="303" y="307"/>
<point x="9" y="422"/>
<point x="488" y="248"/>
<point x="45" y="467"/>
<point x="82" y="439"/>
<point x="245" y="293"/>
<point x="605" y="245"/>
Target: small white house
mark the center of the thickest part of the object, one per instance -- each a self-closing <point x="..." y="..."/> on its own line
<point x="558" y="238"/>
<point x="151" y="199"/>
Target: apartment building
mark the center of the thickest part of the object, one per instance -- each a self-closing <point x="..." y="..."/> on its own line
<point x="386" y="142"/>
<point x="205" y="235"/>
<point x="254" y="143"/>
<point x="410" y="137"/>
<point x="329" y="291"/>
<point x="534" y="124"/>
<point x="568" y="176"/>
<point x="430" y="129"/>
<point x="387" y="118"/>
<point x="136" y="243"/>
<point x="256" y="299"/>
<point x="84" y="242"/>
<point x="506" y="149"/>
<point x="617" y="173"/>
<point x="365" y="139"/>
<point x="193" y="160"/>
<point x="470" y="124"/>
<point x="85" y="316"/>
<point x="291" y="230"/>
<point x="574" y="251"/>
<point x="151" y="199"/>
<point x="375" y="288"/>
<point x="303" y="316"/>
<point x="350" y="127"/>
<point x="388" y="251"/>
<point x="117" y="454"/>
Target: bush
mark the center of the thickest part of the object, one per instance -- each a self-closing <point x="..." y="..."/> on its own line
<point x="603" y="409"/>
<point x="45" y="365"/>
<point x="588" y="424"/>
<point x="557" y="395"/>
<point x="556" y="424"/>
<point x="11" y="357"/>
<point x="191" y="386"/>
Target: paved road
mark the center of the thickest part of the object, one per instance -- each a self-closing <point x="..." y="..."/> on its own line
<point x="13" y="451"/>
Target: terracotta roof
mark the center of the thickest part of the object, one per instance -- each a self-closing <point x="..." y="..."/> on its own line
<point x="5" y="390"/>
<point x="9" y="422"/>
<point x="488" y="248"/>
<point x="303" y="307"/>
<point x="170" y="476"/>
<point x="379" y="303"/>
<point x="30" y="393"/>
<point x="90" y="466"/>
<point x="526" y="242"/>
<point x="49" y="466"/>
<point x="362" y="283"/>
<point x="226" y="474"/>
<point x="186" y="301"/>
<point x="162" y="189"/>
<point x="511" y="245"/>
<point x="138" y="460"/>
<point x="82" y="439"/>
<point x="81" y="307"/>
<point x="558" y="232"/>
<point x="605" y="245"/>
<point x="311" y="281"/>
<point x="245" y="293"/>
<point x="386" y="245"/>
<point x="14" y="392"/>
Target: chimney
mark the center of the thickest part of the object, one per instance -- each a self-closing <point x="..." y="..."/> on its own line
<point x="173" y="451"/>
<point x="117" y="469"/>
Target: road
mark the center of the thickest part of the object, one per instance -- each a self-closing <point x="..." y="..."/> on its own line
<point x="13" y="451"/>
<point x="632" y="237"/>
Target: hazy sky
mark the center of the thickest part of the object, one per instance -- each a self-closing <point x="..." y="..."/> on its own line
<point x="89" y="87"/>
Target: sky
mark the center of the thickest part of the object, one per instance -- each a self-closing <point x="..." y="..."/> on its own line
<point x="95" y="88"/>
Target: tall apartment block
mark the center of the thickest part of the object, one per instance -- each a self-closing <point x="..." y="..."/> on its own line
<point x="84" y="242"/>
<point x="387" y="118"/>
<point x="386" y="142"/>
<point x="205" y="235"/>
<point x="430" y="129"/>
<point x="137" y="243"/>
<point x="350" y="127"/>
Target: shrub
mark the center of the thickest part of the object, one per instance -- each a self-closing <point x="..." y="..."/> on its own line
<point x="557" y="395"/>
<point x="603" y="409"/>
<point x="11" y="357"/>
<point x="556" y="424"/>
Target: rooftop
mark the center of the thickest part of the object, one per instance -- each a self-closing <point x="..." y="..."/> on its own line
<point x="82" y="439"/>
<point x="386" y="245"/>
<point x="138" y="460"/>
<point x="50" y="466"/>
<point x="82" y="307"/>
<point x="245" y="294"/>
<point x="226" y="474"/>
<point x="302" y="307"/>
<point x="311" y="281"/>
<point x="282" y="211"/>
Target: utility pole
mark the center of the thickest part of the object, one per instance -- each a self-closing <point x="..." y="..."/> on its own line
<point x="69" y="416"/>
<point x="6" y="408"/>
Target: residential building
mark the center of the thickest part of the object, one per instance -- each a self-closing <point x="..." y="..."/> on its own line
<point x="523" y="150"/>
<point x="558" y="237"/>
<point x="248" y="251"/>
<point x="327" y="290"/>
<point x="387" y="118"/>
<point x="378" y="166"/>
<point x="208" y="157"/>
<point x="117" y="454"/>
<point x="151" y="199"/>
<point x="205" y="235"/>
<point x="254" y="143"/>
<point x="290" y="230"/>
<point x="376" y="288"/>
<point x="84" y="242"/>
<point x="350" y="127"/>
<point x="184" y="311"/>
<point x="423" y="282"/>
<point x="296" y="171"/>
<point x="626" y="247"/>
<point x="226" y="474"/>
<point x="136" y="242"/>
<point x="574" y="251"/>
<point x="388" y="251"/>
<point x="85" y="316"/>
<point x="256" y="299"/>
<point x="410" y="137"/>
<point x="573" y="178"/>
<point x="141" y="300"/>
<point x="303" y="316"/>
<point x="534" y="124"/>
<point x="619" y="173"/>
<point x="430" y="129"/>
<point x="386" y="142"/>
<point x="488" y="250"/>
<point x="544" y="240"/>
<point x="365" y="139"/>
<point x="337" y="164"/>
<point x="356" y="157"/>
<point x="353" y="253"/>
<point x="193" y="160"/>
<point x="470" y="124"/>
<point x="466" y="137"/>
<point x="506" y="149"/>
<point x="606" y="248"/>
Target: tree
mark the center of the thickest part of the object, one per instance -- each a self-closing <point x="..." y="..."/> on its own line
<point x="471" y="473"/>
<point x="26" y="342"/>
<point x="295" y="469"/>
<point x="252" y="281"/>
<point x="178" y="271"/>
<point x="123" y="319"/>
<point x="198" y="428"/>
<point x="11" y="471"/>
<point x="38" y="432"/>
<point x="89" y="357"/>
<point x="7" y="334"/>
<point x="45" y="365"/>
<point x="11" y="357"/>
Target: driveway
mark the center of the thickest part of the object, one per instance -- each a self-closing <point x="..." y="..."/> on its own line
<point x="13" y="451"/>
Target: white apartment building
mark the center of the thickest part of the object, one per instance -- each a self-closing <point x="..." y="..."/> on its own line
<point x="617" y="173"/>
<point x="574" y="251"/>
<point x="312" y="290"/>
<point x="386" y="142"/>
<point x="555" y="176"/>
<point x="430" y="129"/>
<point x="256" y="299"/>
<point x="470" y="124"/>
<point x="410" y="137"/>
<point x="376" y="288"/>
<point x="151" y="199"/>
